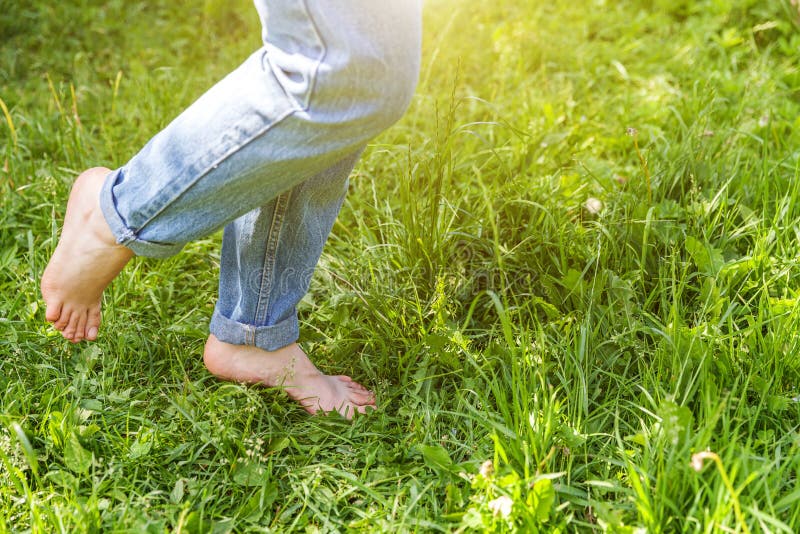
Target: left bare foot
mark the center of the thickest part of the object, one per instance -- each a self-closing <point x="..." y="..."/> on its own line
<point x="85" y="261"/>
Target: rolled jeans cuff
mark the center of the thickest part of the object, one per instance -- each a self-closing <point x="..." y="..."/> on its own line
<point x="269" y="338"/>
<point x="124" y="235"/>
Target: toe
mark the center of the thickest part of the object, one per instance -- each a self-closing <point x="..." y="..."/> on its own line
<point x="80" y="328"/>
<point x="63" y="320"/>
<point x="53" y="312"/>
<point x="364" y="400"/>
<point x="350" y="383"/>
<point x="72" y="327"/>
<point x="355" y="386"/>
<point x="93" y="324"/>
<point x="68" y="333"/>
<point x="361" y="397"/>
<point x="91" y="333"/>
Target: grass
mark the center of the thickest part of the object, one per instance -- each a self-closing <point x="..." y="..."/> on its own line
<point x="558" y="313"/>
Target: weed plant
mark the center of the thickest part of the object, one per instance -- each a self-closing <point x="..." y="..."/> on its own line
<point x="570" y="273"/>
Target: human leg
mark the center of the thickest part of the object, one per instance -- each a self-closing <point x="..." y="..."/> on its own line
<point x="268" y="258"/>
<point x="329" y="79"/>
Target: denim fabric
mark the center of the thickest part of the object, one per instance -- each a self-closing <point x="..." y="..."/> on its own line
<point x="268" y="258"/>
<point x="267" y="152"/>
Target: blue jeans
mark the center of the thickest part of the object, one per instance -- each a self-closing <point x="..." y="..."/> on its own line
<point x="266" y="154"/>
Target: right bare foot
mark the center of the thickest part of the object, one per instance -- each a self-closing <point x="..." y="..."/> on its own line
<point x="290" y="369"/>
<point x="85" y="261"/>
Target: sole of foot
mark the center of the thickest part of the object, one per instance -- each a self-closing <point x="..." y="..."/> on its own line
<point x="290" y="369"/>
<point x="87" y="258"/>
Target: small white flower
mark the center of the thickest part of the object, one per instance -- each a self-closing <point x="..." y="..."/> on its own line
<point x="698" y="459"/>
<point x="487" y="469"/>
<point x="593" y="205"/>
<point x="501" y="506"/>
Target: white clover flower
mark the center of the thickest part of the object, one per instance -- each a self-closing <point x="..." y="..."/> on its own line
<point x="593" y="205"/>
<point x="501" y="506"/>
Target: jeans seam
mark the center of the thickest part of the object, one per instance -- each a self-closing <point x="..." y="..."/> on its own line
<point x="249" y="335"/>
<point x="270" y="255"/>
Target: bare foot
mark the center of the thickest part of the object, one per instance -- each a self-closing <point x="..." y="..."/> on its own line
<point x="85" y="261"/>
<point x="290" y="369"/>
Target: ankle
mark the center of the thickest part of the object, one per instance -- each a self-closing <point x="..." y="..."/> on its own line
<point x="241" y="363"/>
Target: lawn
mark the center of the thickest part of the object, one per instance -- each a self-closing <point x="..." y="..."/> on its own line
<point x="570" y="273"/>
